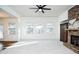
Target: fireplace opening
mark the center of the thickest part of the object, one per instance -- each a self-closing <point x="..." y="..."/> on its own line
<point x="75" y="40"/>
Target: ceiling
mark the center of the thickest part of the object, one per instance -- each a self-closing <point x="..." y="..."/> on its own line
<point x="4" y="14"/>
<point x="24" y="10"/>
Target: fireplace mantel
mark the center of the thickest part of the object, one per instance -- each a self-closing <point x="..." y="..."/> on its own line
<point x="73" y="32"/>
<point x="72" y="29"/>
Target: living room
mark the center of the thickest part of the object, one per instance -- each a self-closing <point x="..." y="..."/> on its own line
<point x="28" y="30"/>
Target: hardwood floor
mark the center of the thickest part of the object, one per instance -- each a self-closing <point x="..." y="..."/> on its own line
<point x="7" y="43"/>
<point x="42" y="47"/>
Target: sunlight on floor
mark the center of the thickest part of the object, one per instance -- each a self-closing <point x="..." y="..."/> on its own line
<point x="18" y="44"/>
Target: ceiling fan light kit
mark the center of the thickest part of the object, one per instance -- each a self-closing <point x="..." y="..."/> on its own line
<point x="41" y="8"/>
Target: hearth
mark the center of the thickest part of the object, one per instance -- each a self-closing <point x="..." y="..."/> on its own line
<point x="75" y="40"/>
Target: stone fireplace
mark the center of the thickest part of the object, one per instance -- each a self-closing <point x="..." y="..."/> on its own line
<point x="72" y="30"/>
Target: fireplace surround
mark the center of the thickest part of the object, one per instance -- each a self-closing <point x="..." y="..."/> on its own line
<point x="73" y="40"/>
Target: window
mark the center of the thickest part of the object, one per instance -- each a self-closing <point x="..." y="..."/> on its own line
<point x="39" y="28"/>
<point x="49" y="28"/>
<point x="12" y="28"/>
<point x="29" y="28"/>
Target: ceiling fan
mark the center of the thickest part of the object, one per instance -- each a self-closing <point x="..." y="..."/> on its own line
<point x="41" y="8"/>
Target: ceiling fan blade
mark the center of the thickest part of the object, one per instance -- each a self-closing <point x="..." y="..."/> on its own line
<point x="38" y="6"/>
<point x="42" y="11"/>
<point x="33" y="8"/>
<point x="43" y="5"/>
<point x="47" y="8"/>
<point x="37" y="10"/>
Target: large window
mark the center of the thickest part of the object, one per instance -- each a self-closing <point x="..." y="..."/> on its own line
<point x="39" y="28"/>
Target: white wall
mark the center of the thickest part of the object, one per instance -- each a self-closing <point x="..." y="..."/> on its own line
<point x="38" y="20"/>
<point x="63" y="16"/>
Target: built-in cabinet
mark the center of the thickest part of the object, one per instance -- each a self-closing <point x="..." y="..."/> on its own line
<point x="63" y="32"/>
